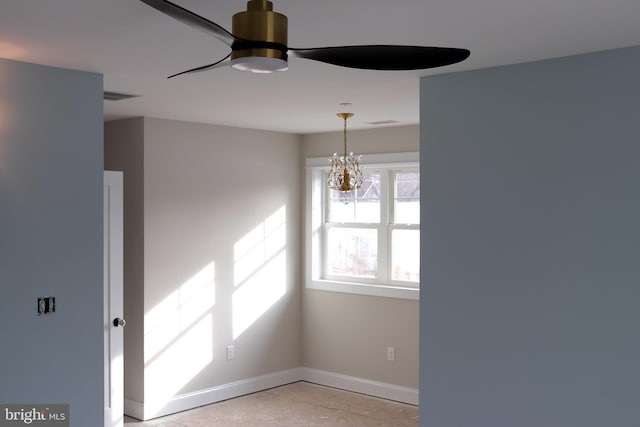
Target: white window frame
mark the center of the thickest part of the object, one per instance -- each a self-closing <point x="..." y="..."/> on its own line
<point x="315" y="212"/>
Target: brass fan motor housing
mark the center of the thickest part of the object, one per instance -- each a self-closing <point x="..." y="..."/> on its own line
<point x="260" y="23"/>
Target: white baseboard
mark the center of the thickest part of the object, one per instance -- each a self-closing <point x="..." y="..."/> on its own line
<point x="361" y="385"/>
<point x="183" y="402"/>
<point x="133" y="408"/>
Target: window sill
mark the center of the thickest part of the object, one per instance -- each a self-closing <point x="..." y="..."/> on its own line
<point x="365" y="289"/>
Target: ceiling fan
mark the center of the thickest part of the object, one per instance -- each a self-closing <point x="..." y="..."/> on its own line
<point x="258" y="43"/>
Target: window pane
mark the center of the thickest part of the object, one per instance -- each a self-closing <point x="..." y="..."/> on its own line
<point x="363" y="205"/>
<point x="352" y="252"/>
<point x="407" y="198"/>
<point x="342" y="206"/>
<point x="405" y="255"/>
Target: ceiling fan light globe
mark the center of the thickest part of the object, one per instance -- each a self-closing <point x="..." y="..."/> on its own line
<point x="259" y="64"/>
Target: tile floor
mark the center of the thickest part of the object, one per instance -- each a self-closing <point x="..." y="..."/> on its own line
<point x="298" y="404"/>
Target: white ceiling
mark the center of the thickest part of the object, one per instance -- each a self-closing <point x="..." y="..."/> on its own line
<point x="136" y="47"/>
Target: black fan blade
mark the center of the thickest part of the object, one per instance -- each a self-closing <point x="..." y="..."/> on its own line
<point x="384" y="57"/>
<point x="187" y="17"/>
<point x="216" y="64"/>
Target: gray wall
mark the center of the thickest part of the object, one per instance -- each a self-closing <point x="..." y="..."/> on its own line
<point x="531" y="244"/>
<point x="51" y="238"/>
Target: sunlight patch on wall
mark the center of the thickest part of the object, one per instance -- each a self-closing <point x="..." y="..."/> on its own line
<point x="178" y="338"/>
<point x="12" y="51"/>
<point x="260" y="244"/>
<point x="178" y="364"/>
<point x="259" y="293"/>
<point x="260" y="271"/>
<point x="173" y="315"/>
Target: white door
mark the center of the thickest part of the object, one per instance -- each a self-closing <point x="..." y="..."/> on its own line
<point x="113" y="301"/>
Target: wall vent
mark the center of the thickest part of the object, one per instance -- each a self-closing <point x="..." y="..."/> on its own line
<point x="117" y="96"/>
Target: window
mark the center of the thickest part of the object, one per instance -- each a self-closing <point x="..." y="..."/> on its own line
<point x="366" y="241"/>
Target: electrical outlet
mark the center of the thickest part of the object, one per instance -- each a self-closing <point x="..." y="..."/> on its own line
<point x="231" y="352"/>
<point x="391" y="354"/>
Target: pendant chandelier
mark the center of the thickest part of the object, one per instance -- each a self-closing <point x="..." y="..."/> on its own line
<point x="345" y="174"/>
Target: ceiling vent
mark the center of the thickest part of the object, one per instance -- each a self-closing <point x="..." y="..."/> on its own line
<point x="382" y="122"/>
<point x="116" y="96"/>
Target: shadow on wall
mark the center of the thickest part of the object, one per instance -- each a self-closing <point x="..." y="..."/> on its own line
<point x="178" y="331"/>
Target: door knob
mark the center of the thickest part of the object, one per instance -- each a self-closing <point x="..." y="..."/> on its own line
<point x="119" y="322"/>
